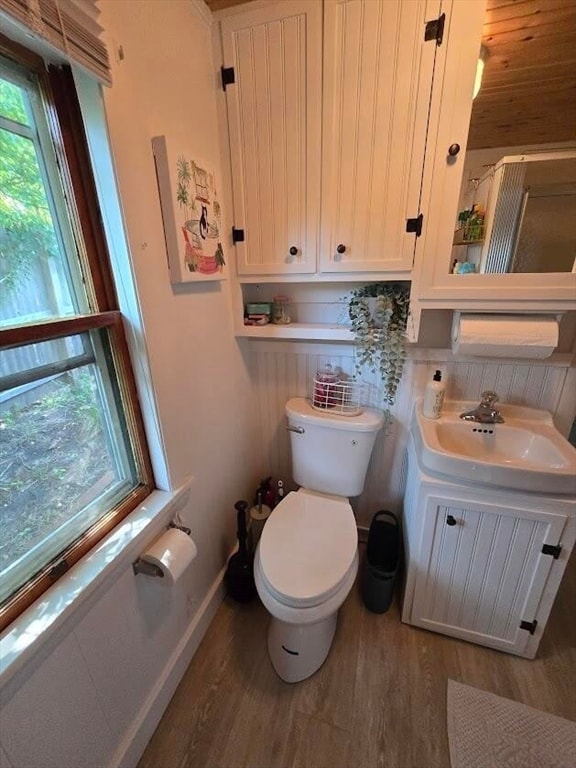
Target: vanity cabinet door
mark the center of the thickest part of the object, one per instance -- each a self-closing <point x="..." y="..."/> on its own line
<point x="377" y="79"/>
<point x="274" y="109"/>
<point x="482" y="571"/>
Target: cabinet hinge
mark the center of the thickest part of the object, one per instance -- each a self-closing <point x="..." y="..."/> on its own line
<point x="552" y="549"/>
<point x="237" y="235"/>
<point x="435" y="29"/>
<point x="529" y="626"/>
<point x="228" y="76"/>
<point x="415" y="225"/>
<point x="58" y="570"/>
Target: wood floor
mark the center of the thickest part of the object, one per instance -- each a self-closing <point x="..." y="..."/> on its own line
<point x="379" y="700"/>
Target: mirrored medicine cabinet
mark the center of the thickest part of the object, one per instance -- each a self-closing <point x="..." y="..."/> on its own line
<point x="502" y="208"/>
<point x="519" y="215"/>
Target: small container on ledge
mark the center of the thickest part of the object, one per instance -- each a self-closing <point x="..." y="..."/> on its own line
<point x="281" y="312"/>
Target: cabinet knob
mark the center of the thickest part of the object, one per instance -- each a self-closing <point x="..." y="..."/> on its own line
<point x="453" y="149"/>
<point x="341" y="248"/>
<point x="450" y="520"/>
<point x="293" y="250"/>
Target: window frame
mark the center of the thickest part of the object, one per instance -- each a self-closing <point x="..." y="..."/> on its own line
<point x="64" y="118"/>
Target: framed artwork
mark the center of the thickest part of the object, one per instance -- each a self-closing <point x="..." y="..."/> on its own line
<point x="191" y="214"/>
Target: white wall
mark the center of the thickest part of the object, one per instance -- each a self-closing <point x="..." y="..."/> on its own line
<point x="90" y="695"/>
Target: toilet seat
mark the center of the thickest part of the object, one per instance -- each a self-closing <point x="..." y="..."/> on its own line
<point x="307" y="548"/>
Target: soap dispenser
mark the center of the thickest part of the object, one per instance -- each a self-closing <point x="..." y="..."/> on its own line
<point x="434" y="397"/>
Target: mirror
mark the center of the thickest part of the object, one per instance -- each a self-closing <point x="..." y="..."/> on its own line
<point x="518" y="216"/>
<point x="517" y="210"/>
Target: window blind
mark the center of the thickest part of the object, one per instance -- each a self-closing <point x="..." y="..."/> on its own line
<point x="69" y="26"/>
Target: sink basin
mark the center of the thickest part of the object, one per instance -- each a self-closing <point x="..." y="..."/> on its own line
<point x="526" y="452"/>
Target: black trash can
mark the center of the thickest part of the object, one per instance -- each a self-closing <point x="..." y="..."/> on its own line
<point x="382" y="561"/>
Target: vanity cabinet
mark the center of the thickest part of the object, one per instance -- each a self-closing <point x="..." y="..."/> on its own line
<point x="327" y="110"/>
<point x="483" y="565"/>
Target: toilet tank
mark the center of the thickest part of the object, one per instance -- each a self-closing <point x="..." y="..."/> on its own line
<point x="330" y="453"/>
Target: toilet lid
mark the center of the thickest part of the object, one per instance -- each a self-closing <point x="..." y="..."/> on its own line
<point x="307" y="547"/>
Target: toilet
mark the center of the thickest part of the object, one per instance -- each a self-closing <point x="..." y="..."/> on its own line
<point x="307" y="557"/>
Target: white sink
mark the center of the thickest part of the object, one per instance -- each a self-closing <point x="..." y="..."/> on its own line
<point x="526" y="452"/>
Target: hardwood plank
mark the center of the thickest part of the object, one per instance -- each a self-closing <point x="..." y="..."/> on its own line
<point x="169" y="749"/>
<point x="432" y="660"/>
<point x="260" y="732"/>
<point x="315" y="744"/>
<point x="329" y="695"/>
<point x="559" y="15"/>
<point x="521" y="92"/>
<point x="382" y="724"/>
<point x="218" y="5"/>
<point x="550" y="10"/>
<point x="543" y="34"/>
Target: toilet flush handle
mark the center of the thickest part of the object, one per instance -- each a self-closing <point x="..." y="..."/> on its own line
<point x="299" y="430"/>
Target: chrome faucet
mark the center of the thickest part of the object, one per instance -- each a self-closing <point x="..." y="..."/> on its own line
<point x="486" y="412"/>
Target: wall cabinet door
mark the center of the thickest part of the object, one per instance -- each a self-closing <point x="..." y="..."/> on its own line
<point x="377" y="79"/>
<point x="274" y="110"/>
<point x="482" y="571"/>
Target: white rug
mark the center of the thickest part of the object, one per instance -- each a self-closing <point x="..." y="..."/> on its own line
<point x="487" y="731"/>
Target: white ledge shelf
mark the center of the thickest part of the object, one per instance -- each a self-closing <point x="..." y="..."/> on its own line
<point x="307" y="331"/>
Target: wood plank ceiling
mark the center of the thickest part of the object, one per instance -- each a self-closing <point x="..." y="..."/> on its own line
<point x="528" y="93"/>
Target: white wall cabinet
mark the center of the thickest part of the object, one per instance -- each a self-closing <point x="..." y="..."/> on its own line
<point x="434" y="287"/>
<point x="329" y="103"/>
<point x="482" y="563"/>
<point x="274" y="107"/>
<point x="377" y="79"/>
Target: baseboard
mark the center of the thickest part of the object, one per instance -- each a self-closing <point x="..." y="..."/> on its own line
<point x="146" y="721"/>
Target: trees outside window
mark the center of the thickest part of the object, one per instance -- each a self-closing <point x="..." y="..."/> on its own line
<point x="73" y="458"/>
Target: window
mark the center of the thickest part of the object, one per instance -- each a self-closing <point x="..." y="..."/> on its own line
<point x="73" y="459"/>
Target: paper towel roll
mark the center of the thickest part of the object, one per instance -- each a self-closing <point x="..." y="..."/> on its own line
<point x="513" y="336"/>
<point x="172" y="553"/>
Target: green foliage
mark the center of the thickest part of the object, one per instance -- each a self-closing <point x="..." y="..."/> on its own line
<point x="79" y="396"/>
<point x="12" y="103"/>
<point x="378" y="314"/>
<point x="183" y="176"/>
<point x="26" y="227"/>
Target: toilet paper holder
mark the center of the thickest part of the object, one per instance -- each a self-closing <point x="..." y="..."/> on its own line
<point x="150" y="569"/>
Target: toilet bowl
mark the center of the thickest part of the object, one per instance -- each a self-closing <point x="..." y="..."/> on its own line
<point x="307" y="557"/>
<point x="305" y="566"/>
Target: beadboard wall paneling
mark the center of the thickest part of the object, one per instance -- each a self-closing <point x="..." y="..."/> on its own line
<point x="283" y="370"/>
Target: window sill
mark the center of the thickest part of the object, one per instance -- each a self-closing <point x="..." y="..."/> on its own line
<point x="26" y="635"/>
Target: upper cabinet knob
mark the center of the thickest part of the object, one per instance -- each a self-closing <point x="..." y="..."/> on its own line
<point x="293" y="250"/>
<point x="453" y="149"/>
<point x="341" y="248"/>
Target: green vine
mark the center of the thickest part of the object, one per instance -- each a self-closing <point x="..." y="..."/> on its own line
<point x="380" y="330"/>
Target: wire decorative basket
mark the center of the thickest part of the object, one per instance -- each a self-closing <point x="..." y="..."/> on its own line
<point x="340" y="396"/>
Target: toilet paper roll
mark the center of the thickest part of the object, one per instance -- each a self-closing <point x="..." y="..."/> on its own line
<point x="172" y="553"/>
<point x="512" y="336"/>
<point x="258" y="517"/>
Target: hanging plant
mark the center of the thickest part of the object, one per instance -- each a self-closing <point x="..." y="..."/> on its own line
<point x="378" y="314"/>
